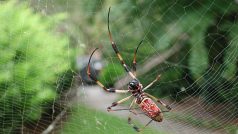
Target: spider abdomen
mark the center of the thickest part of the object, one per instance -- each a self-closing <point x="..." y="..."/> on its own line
<point x="151" y="109"/>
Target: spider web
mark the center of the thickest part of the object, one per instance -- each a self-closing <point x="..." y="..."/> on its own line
<point x="193" y="95"/>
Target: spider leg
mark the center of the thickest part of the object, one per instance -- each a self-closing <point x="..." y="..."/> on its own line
<point x="98" y="82"/>
<point x="130" y="120"/>
<point x="158" y="100"/>
<point x="155" y="80"/>
<point x="137" y="128"/>
<point x="134" y="58"/>
<point x="131" y="107"/>
<point x="118" y="102"/>
<point x="120" y="109"/>
<point x="114" y="46"/>
<point x="141" y="129"/>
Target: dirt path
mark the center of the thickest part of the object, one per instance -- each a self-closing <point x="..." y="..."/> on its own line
<point x="96" y="98"/>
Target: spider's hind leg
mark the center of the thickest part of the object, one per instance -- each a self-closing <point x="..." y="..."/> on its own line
<point x="130" y="120"/>
<point x="135" y="127"/>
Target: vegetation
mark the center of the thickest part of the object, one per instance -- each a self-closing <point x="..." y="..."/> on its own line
<point x="110" y="74"/>
<point x="35" y="58"/>
<point x="84" y="121"/>
<point x="32" y="55"/>
<point x="207" y="64"/>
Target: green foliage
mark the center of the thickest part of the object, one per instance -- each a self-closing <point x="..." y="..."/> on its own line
<point x="31" y="57"/>
<point x="206" y="66"/>
<point x="231" y="129"/>
<point x="230" y="59"/>
<point x="211" y="47"/>
<point x="65" y="80"/>
<point x="198" y="59"/>
<point x="212" y="31"/>
<point x="110" y="73"/>
<point x="164" y="86"/>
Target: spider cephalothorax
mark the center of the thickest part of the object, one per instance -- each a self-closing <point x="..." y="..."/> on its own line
<point x="145" y="101"/>
<point x="134" y="85"/>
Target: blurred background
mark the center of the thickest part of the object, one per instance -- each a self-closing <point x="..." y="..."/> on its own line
<point x="45" y="47"/>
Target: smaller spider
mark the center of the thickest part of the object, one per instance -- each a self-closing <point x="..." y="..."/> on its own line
<point x="141" y="98"/>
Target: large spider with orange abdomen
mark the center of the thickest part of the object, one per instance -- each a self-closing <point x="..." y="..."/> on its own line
<point x="144" y="100"/>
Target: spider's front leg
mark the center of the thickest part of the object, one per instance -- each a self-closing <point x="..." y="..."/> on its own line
<point x="114" y="46"/>
<point x="113" y="90"/>
<point x="134" y="58"/>
<point x="118" y="102"/>
<point x="155" y="80"/>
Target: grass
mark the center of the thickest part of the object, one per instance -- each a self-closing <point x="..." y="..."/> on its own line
<point x="87" y="121"/>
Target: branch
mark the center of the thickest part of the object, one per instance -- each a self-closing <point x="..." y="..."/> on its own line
<point x="50" y="128"/>
<point x="155" y="60"/>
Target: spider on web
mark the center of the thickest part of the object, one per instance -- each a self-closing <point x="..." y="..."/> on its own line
<point x="144" y="100"/>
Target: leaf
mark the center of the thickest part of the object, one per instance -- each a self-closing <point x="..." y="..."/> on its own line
<point x="231" y="53"/>
<point x="198" y="59"/>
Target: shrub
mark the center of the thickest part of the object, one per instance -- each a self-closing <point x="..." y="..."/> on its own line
<point x="31" y="57"/>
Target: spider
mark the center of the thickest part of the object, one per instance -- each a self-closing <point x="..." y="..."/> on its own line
<point x="145" y="101"/>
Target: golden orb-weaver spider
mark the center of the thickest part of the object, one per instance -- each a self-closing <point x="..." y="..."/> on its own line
<point x="144" y="100"/>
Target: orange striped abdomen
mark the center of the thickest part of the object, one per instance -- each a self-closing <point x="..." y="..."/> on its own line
<point x="149" y="107"/>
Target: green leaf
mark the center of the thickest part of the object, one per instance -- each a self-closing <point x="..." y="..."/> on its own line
<point x="198" y="59"/>
<point x="231" y="53"/>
